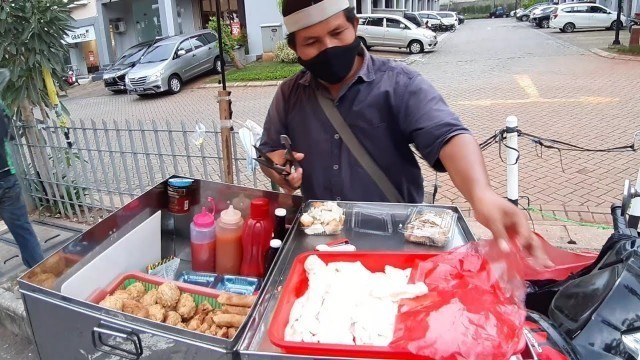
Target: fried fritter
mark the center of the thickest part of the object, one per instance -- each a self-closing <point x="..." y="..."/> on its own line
<point x="112" y="302"/>
<point x="150" y="298"/>
<point x="186" y="306"/>
<point x="136" y="291"/>
<point x="172" y="318"/>
<point x="156" y="312"/>
<point x="168" y="295"/>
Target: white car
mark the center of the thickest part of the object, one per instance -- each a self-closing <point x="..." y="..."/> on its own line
<point x="447" y="17"/>
<point x="394" y="31"/>
<point x="568" y="17"/>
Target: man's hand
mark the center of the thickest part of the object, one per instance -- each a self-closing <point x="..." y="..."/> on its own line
<point x="506" y="222"/>
<point x="293" y="181"/>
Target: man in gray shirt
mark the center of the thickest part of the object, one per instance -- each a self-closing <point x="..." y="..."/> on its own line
<point x="388" y="106"/>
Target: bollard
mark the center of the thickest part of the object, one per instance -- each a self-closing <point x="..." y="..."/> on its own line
<point x="634" y="210"/>
<point x="512" y="159"/>
<point x="634" y="39"/>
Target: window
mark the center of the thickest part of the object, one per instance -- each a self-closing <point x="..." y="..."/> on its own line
<point x="199" y="42"/>
<point x="186" y="46"/>
<point x="376" y="22"/>
<point x="157" y="53"/>
<point x="211" y="37"/>
<point x="598" y="10"/>
<point x="395" y="24"/>
<point x="363" y="21"/>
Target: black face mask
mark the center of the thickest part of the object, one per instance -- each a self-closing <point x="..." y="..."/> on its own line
<point x="332" y="65"/>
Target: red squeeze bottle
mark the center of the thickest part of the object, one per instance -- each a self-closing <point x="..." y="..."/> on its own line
<point x="257" y="232"/>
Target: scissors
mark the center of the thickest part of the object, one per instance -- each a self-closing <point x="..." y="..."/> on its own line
<point x="290" y="161"/>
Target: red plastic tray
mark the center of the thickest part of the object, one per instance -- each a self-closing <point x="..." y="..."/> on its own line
<point x="201" y="293"/>
<point x="297" y="284"/>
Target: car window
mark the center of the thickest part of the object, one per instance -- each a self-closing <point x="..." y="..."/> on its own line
<point x="186" y="46"/>
<point x="395" y="24"/>
<point x="580" y="10"/>
<point x="199" y="42"/>
<point x="158" y="53"/>
<point x="376" y="22"/>
<point x="445" y="15"/>
<point x="363" y="21"/>
<point x="598" y="10"/>
<point x="131" y="55"/>
<point x="211" y="37"/>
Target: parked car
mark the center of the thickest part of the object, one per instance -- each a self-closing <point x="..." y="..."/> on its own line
<point x="525" y="15"/>
<point x="414" y="19"/>
<point x="460" y="18"/>
<point x="448" y="17"/>
<point x="434" y="22"/>
<point x="570" y="16"/>
<point x="394" y="31"/>
<point x="539" y="11"/>
<point x="172" y="61"/>
<point x="542" y="18"/>
<point x="114" y="77"/>
<point x="498" y="12"/>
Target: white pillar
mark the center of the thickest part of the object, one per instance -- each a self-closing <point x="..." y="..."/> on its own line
<point x="366" y="6"/>
<point x="512" y="159"/>
<point x="168" y="17"/>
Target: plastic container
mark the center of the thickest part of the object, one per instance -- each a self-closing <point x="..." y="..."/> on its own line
<point x="203" y="237"/>
<point x="203" y="279"/>
<point x="150" y="282"/>
<point x="238" y="285"/>
<point x="297" y="284"/>
<point x="256" y="235"/>
<point x="430" y="226"/>
<point x="229" y="242"/>
<point x="371" y="220"/>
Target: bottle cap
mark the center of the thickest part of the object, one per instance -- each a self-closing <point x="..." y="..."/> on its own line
<point x="281" y="212"/>
<point x="275" y="243"/>
<point x="231" y="216"/>
<point x="204" y="219"/>
<point x="259" y="208"/>
<point x="180" y="182"/>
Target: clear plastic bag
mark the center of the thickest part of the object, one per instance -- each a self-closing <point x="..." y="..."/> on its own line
<point x="474" y="308"/>
<point x="430" y="226"/>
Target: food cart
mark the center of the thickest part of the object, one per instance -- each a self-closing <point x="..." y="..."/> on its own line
<point x="66" y="325"/>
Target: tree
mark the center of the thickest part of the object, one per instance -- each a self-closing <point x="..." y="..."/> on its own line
<point x="35" y="29"/>
<point x="229" y="43"/>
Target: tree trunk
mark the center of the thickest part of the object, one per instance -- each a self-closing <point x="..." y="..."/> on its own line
<point x="236" y="62"/>
<point x="41" y="163"/>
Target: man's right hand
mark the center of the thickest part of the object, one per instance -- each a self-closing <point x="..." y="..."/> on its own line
<point x="293" y="181"/>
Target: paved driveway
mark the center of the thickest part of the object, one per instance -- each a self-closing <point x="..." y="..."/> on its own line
<point x="487" y="70"/>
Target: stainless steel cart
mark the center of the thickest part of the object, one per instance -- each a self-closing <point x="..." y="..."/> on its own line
<point x="66" y="326"/>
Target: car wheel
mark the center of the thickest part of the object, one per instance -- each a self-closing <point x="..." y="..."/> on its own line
<point x="568" y="27"/>
<point x="415" y="47"/>
<point x="364" y="43"/>
<point x="217" y="65"/>
<point x="615" y="24"/>
<point x="525" y="18"/>
<point x="175" y="84"/>
<point x="544" y="24"/>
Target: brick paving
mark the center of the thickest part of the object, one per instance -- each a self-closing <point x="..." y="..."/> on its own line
<point x="583" y="99"/>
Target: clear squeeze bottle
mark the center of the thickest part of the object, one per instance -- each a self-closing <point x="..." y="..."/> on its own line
<point x="229" y="242"/>
<point x="203" y="237"/>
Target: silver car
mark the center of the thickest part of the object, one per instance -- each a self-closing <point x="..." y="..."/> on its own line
<point x="394" y="31"/>
<point x="172" y="61"/>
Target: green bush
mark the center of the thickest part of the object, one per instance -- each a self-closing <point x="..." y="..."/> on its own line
<point x="529" y="3"/>
<point x="284" y="54"/>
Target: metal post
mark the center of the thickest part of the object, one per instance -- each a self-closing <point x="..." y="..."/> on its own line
<point x="512" y="159"/>
<point x="634" y="210"/>
<point x="616" y="40"/>
<point x="224" y="106"/>
<point x="220" y="48"/>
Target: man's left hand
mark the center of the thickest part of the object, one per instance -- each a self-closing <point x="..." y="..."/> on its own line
<point x="506" y="222"/>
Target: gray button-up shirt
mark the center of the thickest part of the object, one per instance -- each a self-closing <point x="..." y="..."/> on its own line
<point x="388" y="107"/>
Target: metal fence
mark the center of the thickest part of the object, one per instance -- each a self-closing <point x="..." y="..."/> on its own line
<point x="93" y="168"/>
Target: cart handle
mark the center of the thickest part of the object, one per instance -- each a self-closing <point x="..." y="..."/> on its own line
<point x="115" y="350"/>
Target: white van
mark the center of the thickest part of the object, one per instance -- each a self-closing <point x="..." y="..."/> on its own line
<point x="394" y="31"/>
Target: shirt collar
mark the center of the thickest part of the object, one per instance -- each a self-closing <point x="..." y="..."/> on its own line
<point x="366" y="73"/>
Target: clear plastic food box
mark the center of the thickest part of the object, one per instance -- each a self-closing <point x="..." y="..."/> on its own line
<point x="430" y="226"/>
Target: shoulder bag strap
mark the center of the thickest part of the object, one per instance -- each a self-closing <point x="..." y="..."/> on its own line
<point x="360" y="153"/>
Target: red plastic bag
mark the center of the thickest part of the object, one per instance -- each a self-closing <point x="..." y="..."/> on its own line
<point x="474" y="308"/>
<point x="565" y="262"/>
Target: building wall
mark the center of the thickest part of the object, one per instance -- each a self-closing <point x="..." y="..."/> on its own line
<point x="84" y="11"/>
<point x="259" y="12"/>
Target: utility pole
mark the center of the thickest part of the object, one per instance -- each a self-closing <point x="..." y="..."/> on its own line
<point x="616" y="40"/>
<point x="224" y="105"/>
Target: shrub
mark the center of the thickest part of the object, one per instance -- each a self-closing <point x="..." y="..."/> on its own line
<point x="283" y="53"/>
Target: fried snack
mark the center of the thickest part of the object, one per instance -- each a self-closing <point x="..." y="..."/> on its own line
<point x="45" y="280"/>
<point x="156" y="312"/>
<point x="333" y="227"/>
<point x="172" y="318"/>
<point x="168" y="295"/>
<point x="194" y="324"/>
<point x="209" y="319"/>
<point x="54" y="265"/>
<point x="223" y="332"/>
<point x="181" y="325"/>
<point x="229" y="309"/>
<point x="232" y="333"/>
<point x="134" y="308"/>
<point x="112" y="302"/>
<point x="136" y="291"/>
<point x="122" y="294"/>
<point x="186" y="306"/>
<point x="204" y="307"/>
<point x="204" y="328"/>
<point x="237" y="300"/>
<point x="150" y="298"/>
<point x="212" y="331"/>
<point x="229" y="320"/>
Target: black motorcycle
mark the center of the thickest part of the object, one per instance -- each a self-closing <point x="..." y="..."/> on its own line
<point x="632" y="23"/>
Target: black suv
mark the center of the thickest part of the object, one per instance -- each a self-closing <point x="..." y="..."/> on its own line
<point x="114" y="76"/>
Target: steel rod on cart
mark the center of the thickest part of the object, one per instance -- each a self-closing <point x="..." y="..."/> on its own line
<point x="224" y="105"/>
<point x="634" y="210"/>
<point x="512" y="159"/>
